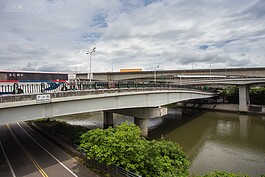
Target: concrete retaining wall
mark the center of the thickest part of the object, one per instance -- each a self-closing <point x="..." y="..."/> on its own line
<point x="260" y="109"/>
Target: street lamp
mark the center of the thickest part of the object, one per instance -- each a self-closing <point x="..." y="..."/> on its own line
<point x="154" y="68"/>
<point x="210" y="70"/>
<point x="90" y="53"/>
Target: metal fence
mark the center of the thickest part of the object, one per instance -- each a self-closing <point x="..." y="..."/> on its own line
<point x="113" y="170"/>
<point x="31" y="88"/>
<point x="18" y="88"/>
<point x="110" y="169"/>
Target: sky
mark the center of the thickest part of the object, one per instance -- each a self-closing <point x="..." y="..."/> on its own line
<point x="55" y="35"/>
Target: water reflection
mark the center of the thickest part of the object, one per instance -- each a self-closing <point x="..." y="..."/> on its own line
<point x="245" y="124"/>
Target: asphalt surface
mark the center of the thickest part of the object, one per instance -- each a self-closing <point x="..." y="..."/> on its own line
<point x="23" y="152"/>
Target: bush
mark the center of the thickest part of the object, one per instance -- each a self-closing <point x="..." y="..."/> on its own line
<point x="123" y="146"/>
<point x="71" y="132"/>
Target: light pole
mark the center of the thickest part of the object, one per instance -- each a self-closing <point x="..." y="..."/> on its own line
<point x="210" y="70"/>
<point x="154" y="68"/>
<point x="90" y="53"/>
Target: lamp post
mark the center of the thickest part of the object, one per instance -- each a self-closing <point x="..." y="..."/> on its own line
<point x="90" y="53"/>
<point x="210" y="70"/>
<point x="154" y="68"/>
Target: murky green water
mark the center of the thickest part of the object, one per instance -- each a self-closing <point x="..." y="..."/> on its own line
<point x="219" y="141"/>
<point x="212" y="140"/>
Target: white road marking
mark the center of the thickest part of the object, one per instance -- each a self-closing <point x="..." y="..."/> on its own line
<point x="10" y="167"/>
<point x="47" y="151"/>
<point x="42" y="172"/>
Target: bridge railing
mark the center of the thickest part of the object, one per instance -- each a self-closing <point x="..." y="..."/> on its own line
<point x="29" y="88"/>
<point x="80" y="91"/>
<point x="112" y="169"/>
<point x="18" y="88"/>
<point x="33" y="96"/>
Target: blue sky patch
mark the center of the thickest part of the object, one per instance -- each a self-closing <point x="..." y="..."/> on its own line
<point x="89" y="37"/>
<point x="203" y="47"/>
<point x="147" y="2"/>
<point x="99" y="21"/>
<point x="223" y="43"/>
<point x="129" y="6"/>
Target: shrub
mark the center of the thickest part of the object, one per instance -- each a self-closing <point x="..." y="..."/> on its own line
<point x="123" y="146"/>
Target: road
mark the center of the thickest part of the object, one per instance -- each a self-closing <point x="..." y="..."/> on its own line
<point x="24" y="152"/>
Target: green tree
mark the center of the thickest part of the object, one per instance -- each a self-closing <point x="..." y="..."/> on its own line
<point x="166" y="158"/>
<point x="232" y="90"/>
<point x="257" y="90"/>
<point x="123" y="146"/>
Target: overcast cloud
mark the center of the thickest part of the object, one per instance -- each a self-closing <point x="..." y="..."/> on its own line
<point x="54" y="35"/>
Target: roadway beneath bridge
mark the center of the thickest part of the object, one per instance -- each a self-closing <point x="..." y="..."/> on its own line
<point x="24" y="152"/>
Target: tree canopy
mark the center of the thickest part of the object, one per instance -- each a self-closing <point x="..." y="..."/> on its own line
<point x="123" y="146"/>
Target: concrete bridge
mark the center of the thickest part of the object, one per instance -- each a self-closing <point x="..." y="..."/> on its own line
<point x="139" y="103"/>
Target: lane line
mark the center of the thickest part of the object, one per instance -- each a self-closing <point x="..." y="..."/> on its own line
<point x="47" y="151"/>
<point x="7" y="160"/>
<point x="42" y="172"/>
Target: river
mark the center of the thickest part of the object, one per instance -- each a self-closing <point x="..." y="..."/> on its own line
<point x="212" y="140"/>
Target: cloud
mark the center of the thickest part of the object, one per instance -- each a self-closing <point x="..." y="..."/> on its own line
<point x="180" y="34"/>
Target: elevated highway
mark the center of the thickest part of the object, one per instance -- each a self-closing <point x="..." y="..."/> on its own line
<point x="243" y="84"/>
<point x="225" y="81"/>
<point x="173" y="75"/>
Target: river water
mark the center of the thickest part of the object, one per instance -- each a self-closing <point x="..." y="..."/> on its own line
<point x="212" y="140"/>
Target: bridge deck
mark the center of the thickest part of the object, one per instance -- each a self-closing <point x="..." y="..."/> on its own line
<point x="32" y="96"/>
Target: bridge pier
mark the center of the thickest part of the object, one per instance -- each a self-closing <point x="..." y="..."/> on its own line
<point x="141" y="116"/>
<point x="108" y="119"/>
<point x="142" y="124"/>
<point x="244" y="98"/>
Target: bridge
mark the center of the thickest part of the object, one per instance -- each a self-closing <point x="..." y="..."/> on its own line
<point x="141" y="103"/>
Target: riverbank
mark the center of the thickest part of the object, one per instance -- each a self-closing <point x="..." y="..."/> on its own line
<point x="257" y="109"/>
